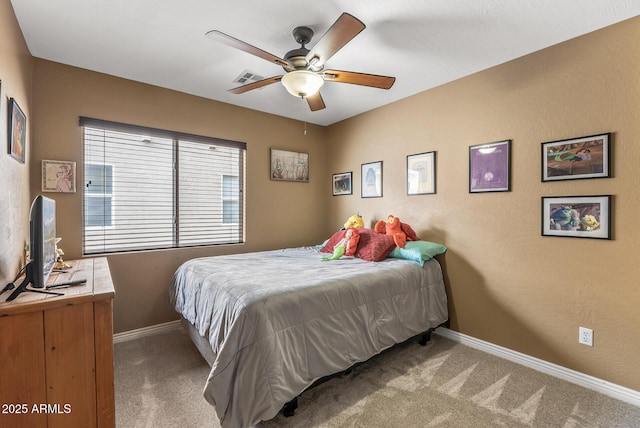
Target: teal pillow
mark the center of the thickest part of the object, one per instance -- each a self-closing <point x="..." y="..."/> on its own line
<point x="418" y="251"/>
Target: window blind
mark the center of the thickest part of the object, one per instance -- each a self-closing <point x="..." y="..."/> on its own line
<point x="146" y="188"/>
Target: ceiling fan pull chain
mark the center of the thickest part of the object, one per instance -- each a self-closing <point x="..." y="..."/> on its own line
<point x="305" y="120"/>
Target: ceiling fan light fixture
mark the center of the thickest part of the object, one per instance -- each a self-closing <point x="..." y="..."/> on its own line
<point x="302" y="83"/>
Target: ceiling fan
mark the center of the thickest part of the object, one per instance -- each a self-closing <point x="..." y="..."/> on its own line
<point x="304" y="68"/>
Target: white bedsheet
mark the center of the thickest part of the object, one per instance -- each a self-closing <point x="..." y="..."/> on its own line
<point x="279" y="320"/>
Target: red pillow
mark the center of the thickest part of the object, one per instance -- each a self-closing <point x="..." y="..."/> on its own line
<point x="373" y="246"/>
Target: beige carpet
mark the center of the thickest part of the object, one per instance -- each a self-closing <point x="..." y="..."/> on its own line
<point x="159" y="381"/>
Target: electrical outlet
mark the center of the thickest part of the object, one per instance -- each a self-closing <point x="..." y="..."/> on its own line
<point x="585" y="336"/>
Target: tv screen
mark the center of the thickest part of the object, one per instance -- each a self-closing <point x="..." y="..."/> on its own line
<point x="42" y="240"/>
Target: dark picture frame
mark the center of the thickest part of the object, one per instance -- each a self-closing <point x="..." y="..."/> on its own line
<point x="371" y="180"/>
<point x="421" y="173"/>
<point x="341" y="183"/>
<point x="17" y="132"/>
<point x="577" y="158"/>
<point x="577" y="216"/>
<point x="287" y="165"/>
<point x="490" y="167"/>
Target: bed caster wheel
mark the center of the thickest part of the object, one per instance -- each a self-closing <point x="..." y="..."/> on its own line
<point x="289" y="408"/>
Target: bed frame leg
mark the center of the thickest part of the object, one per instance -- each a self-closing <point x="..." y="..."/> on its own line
<point x="425" y="338"/>
<point x="289" y="408"/>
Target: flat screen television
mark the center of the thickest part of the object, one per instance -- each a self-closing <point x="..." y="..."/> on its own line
<point x="42" y="245"/>
<point x="42" y="241"/>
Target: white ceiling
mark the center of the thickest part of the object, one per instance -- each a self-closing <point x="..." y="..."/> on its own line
<point x="423" y="43"/>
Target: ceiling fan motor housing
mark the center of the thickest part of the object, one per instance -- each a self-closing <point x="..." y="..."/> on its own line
<point x="297" y="57"/>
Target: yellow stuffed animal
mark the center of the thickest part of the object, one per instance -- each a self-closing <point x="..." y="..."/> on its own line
<point x="354" y="221"/>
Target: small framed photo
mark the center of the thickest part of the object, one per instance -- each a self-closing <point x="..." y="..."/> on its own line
<point x="584" y="157"/>
<point x="490" y="167"/>
<point x="58" y="176"/>
<point x="342" y="184"/>
<point x="17" y="132"/>
<point x="421" y="173"/>
<point x="371" y="177"/>
<point x="577" y="216"/>
<point x="289" y="166"/>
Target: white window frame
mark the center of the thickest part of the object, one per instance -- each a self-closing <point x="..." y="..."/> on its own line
<point x="105" y="195"/>
<point x="227" y="199"/>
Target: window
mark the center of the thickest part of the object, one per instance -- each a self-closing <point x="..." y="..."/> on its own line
<point x="98" y="195"/>
<point x="230" y="199"/>
<point x="153" y="189"/>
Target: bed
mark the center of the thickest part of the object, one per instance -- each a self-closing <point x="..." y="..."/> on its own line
<point x="274" y="322"/>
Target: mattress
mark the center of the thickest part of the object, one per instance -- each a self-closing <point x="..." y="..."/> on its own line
<point x="279" y="320"/>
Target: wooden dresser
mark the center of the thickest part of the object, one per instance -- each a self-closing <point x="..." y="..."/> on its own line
<point x="56" y="353"/>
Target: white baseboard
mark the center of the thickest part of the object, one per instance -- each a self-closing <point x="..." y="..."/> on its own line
<point x="607" y="388"/>
<point x="146" y="331"/>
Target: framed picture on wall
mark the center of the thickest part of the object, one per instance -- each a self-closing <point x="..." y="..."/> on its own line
<point x="577" y="216"/>
<point x="490" y="167"/>
<point x="371" y="178"/>
<point x="17" y="132"/>
<point x="584" y="157"/>
<point x="342" y="184"/>
<point x="58" y="176"/>
<point x="421" y="173"/>
<point x="289" y="166"/>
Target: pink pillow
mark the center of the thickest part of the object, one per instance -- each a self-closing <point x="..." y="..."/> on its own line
<point x="373" y="246"/>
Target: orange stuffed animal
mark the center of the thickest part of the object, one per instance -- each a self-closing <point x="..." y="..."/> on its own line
<point x="401" y="232"/>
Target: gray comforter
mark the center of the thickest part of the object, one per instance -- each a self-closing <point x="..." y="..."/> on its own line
<point x="279" y="320"/>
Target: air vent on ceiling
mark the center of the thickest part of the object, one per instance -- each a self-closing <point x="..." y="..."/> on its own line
<point x="247" y="76"/>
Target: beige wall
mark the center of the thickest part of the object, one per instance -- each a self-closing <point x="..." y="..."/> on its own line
<point x="279" y="214"/>
<point x="15" y="80"/>
<point x="507" y="284"/>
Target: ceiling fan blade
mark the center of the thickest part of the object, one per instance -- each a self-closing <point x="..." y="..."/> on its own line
<point x="341" y="32"/>
<point x="255" y="85"/>
<point x="364" y="79"/>
<point x="315" y="102"/>
<point x="239" y="44"/>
